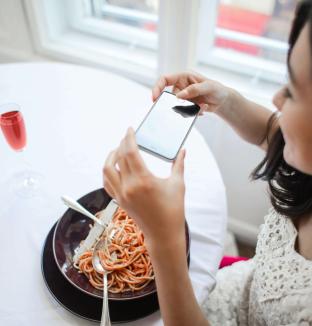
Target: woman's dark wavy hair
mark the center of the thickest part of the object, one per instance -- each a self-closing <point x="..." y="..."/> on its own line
<point x="290" y="190"/>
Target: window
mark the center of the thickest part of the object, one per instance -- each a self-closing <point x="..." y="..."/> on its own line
<point x="249" y="36"/>
<point x="144" y="38"/>
<point x="130" y="22"/>
<point x="264" y="25"/>
<point x="120" y="36"/>
<point x="141" y="14"/>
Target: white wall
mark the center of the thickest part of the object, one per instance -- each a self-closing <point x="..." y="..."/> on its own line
<point x="247" y="200"/>
<point x="15" y="40"/>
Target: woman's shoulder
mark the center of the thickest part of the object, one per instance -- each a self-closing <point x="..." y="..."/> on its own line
<point x="280" y="270"/>
<point x="277" y="235"/>
<point x="228" y="302"/>
<point x="292" y="309"/>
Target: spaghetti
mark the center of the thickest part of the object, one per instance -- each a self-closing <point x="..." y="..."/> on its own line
<point x="125" y="257"/>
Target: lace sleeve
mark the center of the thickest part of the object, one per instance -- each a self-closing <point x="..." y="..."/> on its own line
<point x="298" y="309"/>
<point x="228" y="303"/>
<point x="305" y="316"/>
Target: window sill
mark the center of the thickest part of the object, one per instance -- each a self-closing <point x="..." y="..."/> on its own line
<point x="135" y="64"/>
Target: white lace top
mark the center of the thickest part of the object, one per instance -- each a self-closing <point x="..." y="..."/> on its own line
<point x="273" y="288"/>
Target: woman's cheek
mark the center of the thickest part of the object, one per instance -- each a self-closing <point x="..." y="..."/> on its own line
<point x="298" y="139"/>
<point x="303" y="149"/>
<point x="288" y="125"/>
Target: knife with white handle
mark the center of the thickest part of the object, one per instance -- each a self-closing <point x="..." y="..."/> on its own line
<point x="96" y="231"/>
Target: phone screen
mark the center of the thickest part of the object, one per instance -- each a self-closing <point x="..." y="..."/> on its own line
<point x="164" y="129"/>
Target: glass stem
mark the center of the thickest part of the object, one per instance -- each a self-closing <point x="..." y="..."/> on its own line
<point x="28" y="181"/>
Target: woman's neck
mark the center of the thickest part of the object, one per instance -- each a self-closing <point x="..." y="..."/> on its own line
<point x="304" y="239"/>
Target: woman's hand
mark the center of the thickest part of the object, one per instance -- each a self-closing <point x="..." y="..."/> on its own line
<point x="156" y="204"/>
<point x="208" y="94"/>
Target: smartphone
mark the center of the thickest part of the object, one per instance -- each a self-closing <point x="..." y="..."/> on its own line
<point x="166" y="126"/>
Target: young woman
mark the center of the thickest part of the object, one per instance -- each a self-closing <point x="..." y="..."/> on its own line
<point x="275" y="287"/>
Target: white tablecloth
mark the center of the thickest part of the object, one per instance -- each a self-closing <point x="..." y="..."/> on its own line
<point x="74" y="117"/>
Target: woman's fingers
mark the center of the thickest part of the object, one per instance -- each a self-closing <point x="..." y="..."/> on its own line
<point x="203" y="107"/>
<point x="130" y="152"/>
<point x="109" y="188"/>
<point x="129" y="161"/>
<point x="179" y="80"/>
<point x="176" y="89"/>
<point x="121" y="161"/>
<point x="110" y="174"/>
<point x="178" y="164"/>
<point x="193" y="91"/>
<point x="164" y="81"/>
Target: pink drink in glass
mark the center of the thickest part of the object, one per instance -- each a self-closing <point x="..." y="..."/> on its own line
<point x="13" y="128"/>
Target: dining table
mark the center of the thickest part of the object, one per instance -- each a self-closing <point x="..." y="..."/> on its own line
<point x="74" y="116"/>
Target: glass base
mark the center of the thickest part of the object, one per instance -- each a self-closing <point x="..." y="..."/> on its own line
<point x="26" y="184"/>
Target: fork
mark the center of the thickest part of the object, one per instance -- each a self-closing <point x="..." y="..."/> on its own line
<point x="105" y="319"/>
<point x="73" y="204"/>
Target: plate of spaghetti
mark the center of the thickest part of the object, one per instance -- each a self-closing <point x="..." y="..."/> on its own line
<point x="125" y="257"/>
<point x="131" y="275"/>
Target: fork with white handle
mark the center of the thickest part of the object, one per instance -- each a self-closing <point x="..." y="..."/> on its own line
<point x="96" y="262"/>
<point x="104" y="222"/>
<point x="73" y="204"/>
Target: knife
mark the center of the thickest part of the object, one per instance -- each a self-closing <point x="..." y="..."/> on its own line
<point x="97" y="230"/>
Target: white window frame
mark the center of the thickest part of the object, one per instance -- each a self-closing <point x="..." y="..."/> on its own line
<point x="65" y="39"/>
<point x="78" y="38"/>
<point x="110" y="30"/>
<point x="255" y="67"/>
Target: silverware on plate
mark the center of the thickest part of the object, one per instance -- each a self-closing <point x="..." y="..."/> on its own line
<point x="73" y="204"/>
<point x="100" y="245"/>
<point x="104" y="221"/>
<point x="111" y="207"/>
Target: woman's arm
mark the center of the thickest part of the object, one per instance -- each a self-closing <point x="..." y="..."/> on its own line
<point x="177" y="301"/>
<point x="247" y="118"/>
<point x="157" y="205"/>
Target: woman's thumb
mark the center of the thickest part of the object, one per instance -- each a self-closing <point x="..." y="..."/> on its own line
<point x="178" y="164"/>
<point x="193" y="91"/>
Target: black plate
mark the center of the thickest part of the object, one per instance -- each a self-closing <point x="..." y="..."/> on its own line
<point x="84" y="305"/>
<point x="74" y="227"/>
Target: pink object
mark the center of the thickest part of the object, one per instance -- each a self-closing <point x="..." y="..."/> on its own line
<point x="241" y="20"/>
<point x="229" y="260"/>
<point x="13" y="127"/>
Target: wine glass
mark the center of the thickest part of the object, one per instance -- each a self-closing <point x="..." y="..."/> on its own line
<point x="13" y="127"/>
